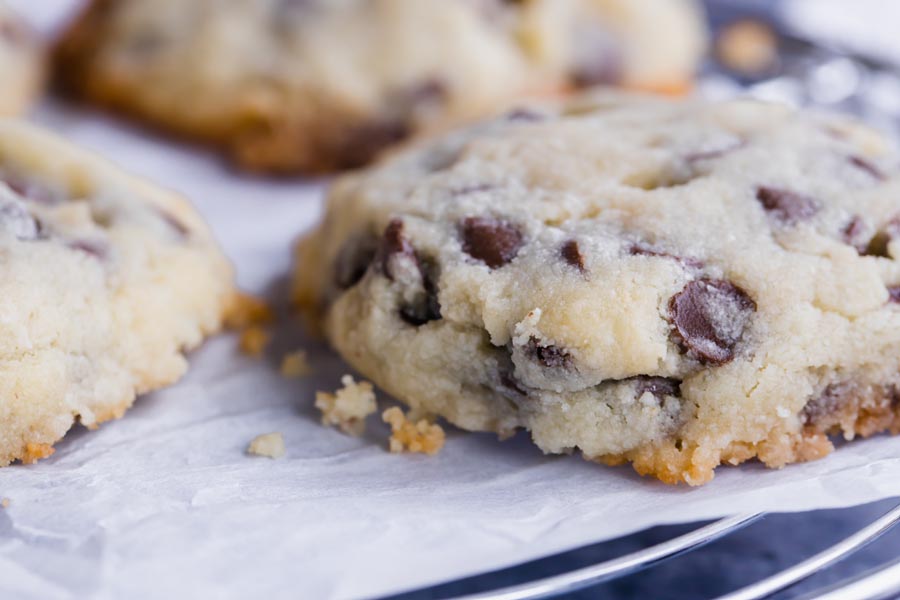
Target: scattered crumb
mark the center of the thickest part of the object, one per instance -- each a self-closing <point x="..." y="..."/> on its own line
<point x="413" y="436"/>
<point x="348" y="407"/>
<point x="4" y="502"/>
<point x="246" y="310"/>
<point x="254" y="340"/>
<point x="268" y="444"/>
<point x="35" y="452"/>
<point x="295" y="365"/>
<point x="748" y="46"/>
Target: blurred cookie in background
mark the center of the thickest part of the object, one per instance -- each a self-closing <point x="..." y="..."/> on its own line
<point x="20" y="63"/>
<point x="309" y="86"/>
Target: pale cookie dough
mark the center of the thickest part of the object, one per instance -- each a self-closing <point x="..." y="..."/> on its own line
<point x="20" y="63"/>
<point x="673" y="284"/>
<point x="106" y="282"/>
<point x="319" y="85"/>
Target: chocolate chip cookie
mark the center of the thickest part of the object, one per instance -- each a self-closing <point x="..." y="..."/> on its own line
<point x="106" y="281"/>
<point x="316" y="85"/>
<point x="672" y="284"/>
<point x="20" y="63"/>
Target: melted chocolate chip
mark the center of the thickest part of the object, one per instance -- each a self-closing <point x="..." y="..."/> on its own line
<point x="658" y="386"/>
<point x="785" y="205"/>
<point x="426" y="311"/>
<point x="549" y="356"/>
<point x="492" y="241"/>
<point x="710" y="316"/>
<point x="867" y="166"/>
<point x="353" y="260"/>
<point x="855" y="233"/>
<point x="571" y="253"/>
<point x="394" y="245"/>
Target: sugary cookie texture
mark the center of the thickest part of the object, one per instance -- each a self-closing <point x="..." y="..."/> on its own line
<point x="672" y="284"/>
<point x="105" y="281"/>
<point x="20" y="63"/>
<point x="319" y="85"/>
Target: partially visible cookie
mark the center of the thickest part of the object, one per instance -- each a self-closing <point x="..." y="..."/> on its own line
<point x="316" y="85"/>
<point x="672" y="284"/>
<point x="20" y="63"/>
<point x="105" y="282"/>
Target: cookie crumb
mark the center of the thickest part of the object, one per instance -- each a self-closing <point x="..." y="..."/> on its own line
<point x="4" y="502"/>
<point x="35" y="452"/>
<point x="295" y="365"/>
<point x="254" y="340"/>
<point x="267" y="444"/>
<point x="246" y="310"/>
<point x="348" y="407"/>
<point x="408" y="435"/>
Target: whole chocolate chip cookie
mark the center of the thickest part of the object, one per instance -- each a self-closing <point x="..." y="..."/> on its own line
<point x="106" y="281"/>
<point x="674" y="284"/>
<point x="318" y="85"/>
<point x="20" y="63"/>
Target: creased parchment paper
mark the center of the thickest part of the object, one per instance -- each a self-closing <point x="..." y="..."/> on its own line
<point x="164" y="503"/>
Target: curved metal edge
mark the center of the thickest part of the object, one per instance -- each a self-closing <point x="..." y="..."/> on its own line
<point x="618" y="567"/>
<point x="812" y="565"/>
<point x="875" y="584"/>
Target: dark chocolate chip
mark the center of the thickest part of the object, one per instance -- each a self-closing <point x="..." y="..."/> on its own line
<point x="658" y="386"/>
<point x="549" y="356"/>
<point x="510" y="384"/>
<point x="826" y="404"/>
<point x="492" y="241"/>
<point x="787" y="206"/>
<point x="353" y="260"/>
<point x="856" y="233"/>
<point x="710" y="316"/>
<point x="427" y="308"/>
<point x="867" y="166"/>
<point x="571" y="253"/>
<point x="359" y="145"/>
<point x="394" y="245"/>
<point x="641" y="249"/>
<point x="894" y="294"/>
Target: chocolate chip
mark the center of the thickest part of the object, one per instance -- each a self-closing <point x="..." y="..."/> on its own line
<point x="856" y="233"/>
<point x="878" y="245"/>
<point x="710" y="316"/>
<point x="430" y="91"/>
<point x="642" y="249"/>
<point x="787" y="206"/>
<point x="429" y="309"/>
<point x="525" y="115"/>
<point x="359" y="145"/>
<point x="867" y="166"/>
<point x="96" y="249"/>
<point x="353" y="260"/>
<point x="598" y="57"/>
<point x="571" y="253"/>
<point x="549" y="356"/>
<point x="510" y="384"/>
<point x="394" y="245"/>
<point x="658" y="386"/>
<point x="826" y="404"/>
<point x="492" y="241"/>
<point x="894" y="294"/>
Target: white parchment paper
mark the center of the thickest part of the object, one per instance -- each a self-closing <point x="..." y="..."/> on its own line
<point x="164" y="503"/>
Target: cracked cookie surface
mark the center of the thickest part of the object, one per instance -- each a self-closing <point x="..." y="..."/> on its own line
<point x="107" y="281"/>
<point x="320" y="85"/>
<point x="672" y="284"/>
